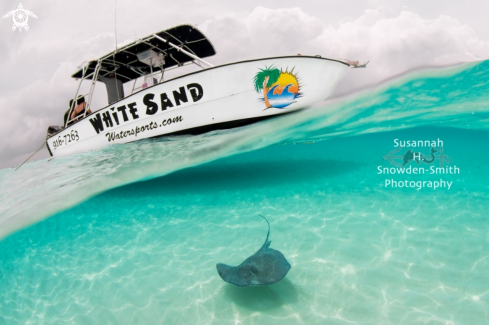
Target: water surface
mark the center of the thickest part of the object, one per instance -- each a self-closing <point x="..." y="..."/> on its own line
<point x="132" y="233"/>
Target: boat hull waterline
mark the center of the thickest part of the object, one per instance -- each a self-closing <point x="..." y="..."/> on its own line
<point x="233" y="94"/>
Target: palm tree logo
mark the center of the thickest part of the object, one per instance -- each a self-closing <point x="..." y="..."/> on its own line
<point x="279" y="88"/>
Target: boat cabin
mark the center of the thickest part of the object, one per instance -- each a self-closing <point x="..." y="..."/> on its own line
<point x="145" y="59"/>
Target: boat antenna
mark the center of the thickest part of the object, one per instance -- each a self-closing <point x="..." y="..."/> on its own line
<point x="113" y="56"/>
<point x="115" y="23"/>
<point x="31" y="156"/>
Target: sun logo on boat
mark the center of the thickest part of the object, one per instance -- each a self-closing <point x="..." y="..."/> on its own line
<point x="279" y="88"/>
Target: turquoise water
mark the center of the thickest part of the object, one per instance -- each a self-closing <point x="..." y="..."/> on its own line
<point x="131" y="234"/>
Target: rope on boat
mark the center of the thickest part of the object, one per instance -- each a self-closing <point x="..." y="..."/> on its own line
<point x="31" y="156"/>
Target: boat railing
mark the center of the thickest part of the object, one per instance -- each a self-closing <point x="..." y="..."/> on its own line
<point x="94" y="75"/>
<point x="180" y="48"/>
<point x="157" y="76"/>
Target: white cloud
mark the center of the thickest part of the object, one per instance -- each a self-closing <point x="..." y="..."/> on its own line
<point x="32" y="108"/>
<point x="264" y="32"/>
<point x="394" y="43"/>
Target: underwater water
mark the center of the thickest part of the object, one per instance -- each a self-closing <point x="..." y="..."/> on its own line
<point x="132" y="233"/>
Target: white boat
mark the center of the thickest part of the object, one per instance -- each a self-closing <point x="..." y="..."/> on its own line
<point x="215" y="97"/>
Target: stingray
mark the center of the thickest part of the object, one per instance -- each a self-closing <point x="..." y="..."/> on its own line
<point x="265" y="267"/>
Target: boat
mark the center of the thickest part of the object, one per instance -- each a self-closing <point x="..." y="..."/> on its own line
<point x="211" y="98"/>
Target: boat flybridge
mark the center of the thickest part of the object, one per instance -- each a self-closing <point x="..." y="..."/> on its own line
<point x="214" y="97"/>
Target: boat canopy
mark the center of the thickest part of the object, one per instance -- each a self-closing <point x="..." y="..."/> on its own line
<point x="166" y="49"/>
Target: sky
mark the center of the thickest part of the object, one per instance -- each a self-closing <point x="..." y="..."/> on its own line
<point x="395" y="36"/>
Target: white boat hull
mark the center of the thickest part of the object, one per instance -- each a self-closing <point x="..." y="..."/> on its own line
<point x="220" y="97"/>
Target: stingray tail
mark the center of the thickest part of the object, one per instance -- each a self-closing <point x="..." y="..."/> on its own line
<point x="267" y="242"/>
